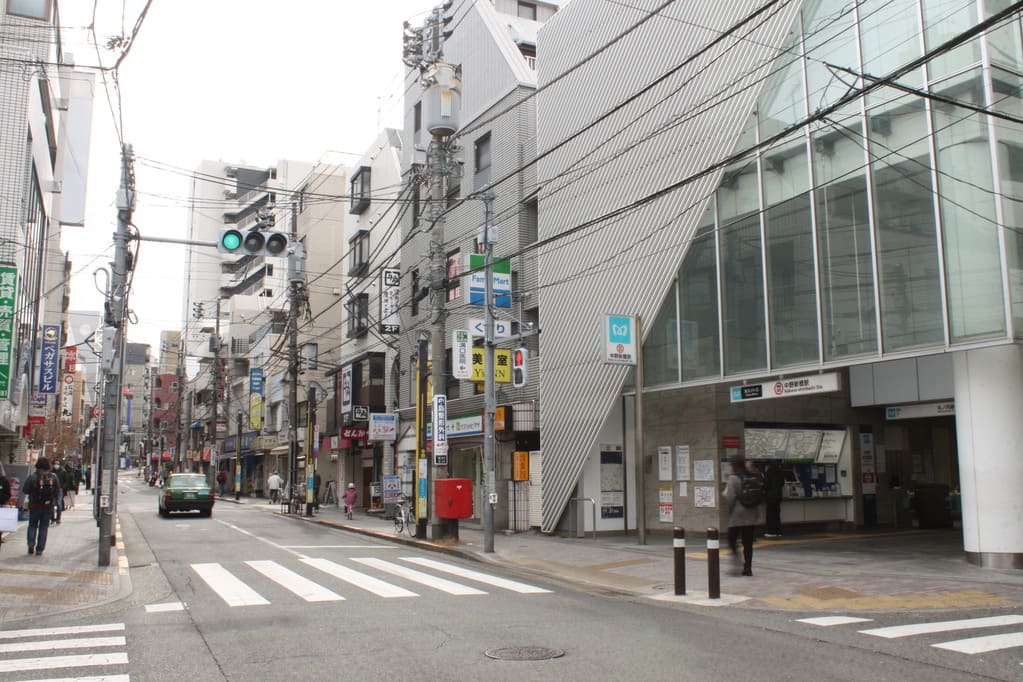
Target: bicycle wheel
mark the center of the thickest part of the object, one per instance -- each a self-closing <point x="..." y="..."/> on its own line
<point x="411" y="525"/>
<point x="399" y="521"/>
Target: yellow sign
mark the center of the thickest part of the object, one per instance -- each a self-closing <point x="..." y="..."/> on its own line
<point x="255" y="411"/>
<point x="520" y="466"/>
<point x="502" y="365"/>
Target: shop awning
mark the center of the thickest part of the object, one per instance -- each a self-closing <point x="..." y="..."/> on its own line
<point x="280" y="450"/>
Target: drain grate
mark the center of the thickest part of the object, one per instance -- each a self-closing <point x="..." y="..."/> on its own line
<point x="524" y="653"/>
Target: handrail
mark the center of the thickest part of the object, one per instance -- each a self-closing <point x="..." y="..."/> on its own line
<point x="594" y="503"/>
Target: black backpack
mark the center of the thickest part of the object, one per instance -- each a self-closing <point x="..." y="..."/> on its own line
<point x="42" y="488"/>
<point x="753" y="492"/>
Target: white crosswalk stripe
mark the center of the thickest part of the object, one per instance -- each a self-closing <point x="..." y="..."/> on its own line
<point x="287" y="578"/>
<point x="970" y="645"/>
<point x="231" y="589"/>
<point x="18" y="647"/>
<point x="230" y="585"/>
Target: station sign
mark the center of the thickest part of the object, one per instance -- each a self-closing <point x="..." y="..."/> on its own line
<point x="786" y="388"/>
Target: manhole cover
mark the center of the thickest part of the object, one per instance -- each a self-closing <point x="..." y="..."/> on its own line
<point x="524" y="653"/>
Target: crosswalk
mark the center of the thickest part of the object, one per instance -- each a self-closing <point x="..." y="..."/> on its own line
<point x="981" y="643"/>
<point x="99" y="653"/>
<point x="240" y="584"/>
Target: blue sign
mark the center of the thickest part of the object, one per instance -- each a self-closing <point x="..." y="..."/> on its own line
<point x="619" y="329"/>
<point x="256" y="381"/>
<point x="49" y="362"/>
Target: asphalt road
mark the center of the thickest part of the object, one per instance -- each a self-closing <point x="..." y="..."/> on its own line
<point x="249" y="595"/>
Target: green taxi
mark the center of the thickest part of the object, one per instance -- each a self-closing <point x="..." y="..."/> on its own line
<point x="186" y="492"/>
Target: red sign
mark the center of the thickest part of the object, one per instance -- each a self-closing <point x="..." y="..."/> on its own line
<point x="730" y="442"/>
<point x="354" y="432"/>
<point x="70" y="359"/>
<point x="868" y="477"/>
<point x="36" y="419"/>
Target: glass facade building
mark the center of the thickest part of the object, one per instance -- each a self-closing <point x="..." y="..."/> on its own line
<point x="889" y="225"/>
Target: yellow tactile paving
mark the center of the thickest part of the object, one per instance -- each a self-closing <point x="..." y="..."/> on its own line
<point x="888" y="602"/>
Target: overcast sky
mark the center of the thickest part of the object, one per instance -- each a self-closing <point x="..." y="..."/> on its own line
<point x="243" y="81"/>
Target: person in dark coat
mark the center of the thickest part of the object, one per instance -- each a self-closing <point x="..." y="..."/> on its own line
<point x="774" y="484"/>
<point x="742" y="520"/>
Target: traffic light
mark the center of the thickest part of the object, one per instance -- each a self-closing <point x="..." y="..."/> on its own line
<point x="253" y="243"/>
<point x="519" y="374"/>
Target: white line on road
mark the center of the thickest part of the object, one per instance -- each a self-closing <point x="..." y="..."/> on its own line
<point x="55" y="644"/>
<point x="983" y="645"/>
<point x="66" y="630"/>
<point x="96" y="678"/>
<point x="419" y="577"/>
<point x="231" y="589"/>
<point x="163" y="608"/>
<point x="335" y="547"/>
<point x="78" y="661"/>
<point x="828" y="621"/>
<point x="292" y="581"/>
<point x="361" y="580"/>
<point x="943" y="626"/>
<point x="484" y="578"/>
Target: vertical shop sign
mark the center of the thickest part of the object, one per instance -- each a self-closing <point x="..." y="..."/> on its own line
<point x="256" y="398"/>
<point x="48" y="359"/>
<point x="71" y="359"/>
<point x="612" y="482"/>
<point x="67" y="399"/>
<point x="665" y="505"/>
<point x="345" y="404"/>
<point x="8" y="288"/>
<point x="390" y="286"/>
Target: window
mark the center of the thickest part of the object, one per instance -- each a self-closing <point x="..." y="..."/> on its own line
<point x="417" y="123"/>
<point x="267" y="293"/>
<point x="358" y="315"/>
<point x="481" y="158"/>
<point x="454" y="282"/>
<point x="416" y="295"/>
<point x="174" y="387"/>
<point x="30" y="9"/>
<point x="358" y="254"/>
<point x="527" y="10"/>
<point x="359" y="189"/>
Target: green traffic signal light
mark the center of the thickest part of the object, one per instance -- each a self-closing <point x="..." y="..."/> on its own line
<point x="230" y="240"/>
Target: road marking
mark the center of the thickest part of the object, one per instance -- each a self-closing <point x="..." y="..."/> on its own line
<point x="983" y="645"/>
<point x="100" y="678"/>
<point x="163" y="608"/>
<point x="828" y="621"/>
<point x="231" y="589"/>
<point x="66" y="630"/>
<point x="366" y="582"/>
<point x="292" y="581"/>
<point x="419" y="577"/>
<point x="944" y="626"/>
<point x="335" y="547"/>
<point x="77" y="661"/>
<point x="54" y="644"/>
<point x="514" y="586"/>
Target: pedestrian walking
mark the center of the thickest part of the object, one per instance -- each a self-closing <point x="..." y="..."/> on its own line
<point x="316" y="491"/>
<point x="350" y="495"/>
<point x="221" y="482"/>
<point x="40" y="495"/>
<point x="774" y="484"/>
<point x="274" y="484"/>
<point x="745" y="496"/>
<point x="61" y="474"/>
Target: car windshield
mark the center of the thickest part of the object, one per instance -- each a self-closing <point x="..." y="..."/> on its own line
<point x="187" y="481"/>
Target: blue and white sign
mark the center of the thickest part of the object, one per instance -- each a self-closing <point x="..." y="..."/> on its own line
<point x="383" y="426"/>
<point x="501" y="280"/>
<point x="49" y="362"/>
<point x="502" y="328"/>
<point x="620" y="339"/>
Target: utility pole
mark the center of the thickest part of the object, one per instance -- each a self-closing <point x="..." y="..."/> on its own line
<point x="238" y="461"/>
<point x="179" y="411"/>
<point x="423" y="50"/>
<point x="113" y="357"/>
<point x="310" y="451"/>
<point x="296" y="296"/>
<point x="490" y="400"/>
<point x="214" y="452"/>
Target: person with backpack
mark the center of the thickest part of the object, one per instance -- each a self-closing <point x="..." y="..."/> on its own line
<point x="744" y="495"/>
<point x="41" y="493"/>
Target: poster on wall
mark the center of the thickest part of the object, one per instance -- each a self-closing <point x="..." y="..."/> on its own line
<point x="682" y="462"/>
<point x="832" y="442"/>
<point x="664" y="462"/>
<point x="703" y="470"/>
<point x="683" y="489"/>
<point x="612" y="482"/>
<point x="704" y="496"/>
<point x="665" y="505"/>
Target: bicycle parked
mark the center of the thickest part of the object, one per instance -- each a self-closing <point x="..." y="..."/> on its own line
<point x="405" y="516"/>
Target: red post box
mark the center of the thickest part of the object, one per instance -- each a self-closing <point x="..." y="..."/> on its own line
<point x="453" y="498"/>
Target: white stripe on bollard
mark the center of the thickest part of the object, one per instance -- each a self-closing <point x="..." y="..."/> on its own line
<point x="713" y="544"/>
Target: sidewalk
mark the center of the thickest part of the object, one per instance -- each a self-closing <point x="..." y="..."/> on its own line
<point x="67" y="576"/>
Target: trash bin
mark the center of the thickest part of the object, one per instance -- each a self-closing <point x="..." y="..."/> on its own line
<point x="929" y="501"/>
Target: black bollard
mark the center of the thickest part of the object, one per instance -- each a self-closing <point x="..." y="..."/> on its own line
<point x="713" y="564"/>
<point x="679" y="543"/>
